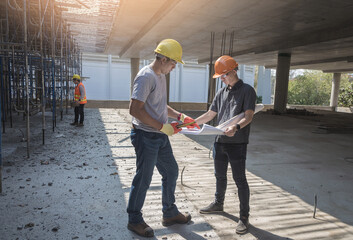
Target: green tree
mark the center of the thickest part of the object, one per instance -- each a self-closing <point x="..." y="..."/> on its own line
<point x="312" y="87"/>
<point x="345" y="98"/>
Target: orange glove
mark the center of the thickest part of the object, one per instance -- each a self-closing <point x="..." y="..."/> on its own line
<point x="170" y="128"/>
<point x="186" y="119"/>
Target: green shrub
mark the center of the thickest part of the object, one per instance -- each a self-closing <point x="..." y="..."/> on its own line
<point x="258" y="99"/>
<point x="311" y="88"/>
<point x="345" y="98"/>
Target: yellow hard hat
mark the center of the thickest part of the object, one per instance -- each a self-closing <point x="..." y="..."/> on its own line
<point x="171" y="49"/>
<point x="76" y="76"/>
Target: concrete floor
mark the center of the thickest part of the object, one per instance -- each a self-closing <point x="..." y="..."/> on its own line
<point x="76" y="186"/>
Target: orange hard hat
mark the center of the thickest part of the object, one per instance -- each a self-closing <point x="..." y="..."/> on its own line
<point x="224" y="65"/>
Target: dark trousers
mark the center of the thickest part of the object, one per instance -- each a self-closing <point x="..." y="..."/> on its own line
<point x="235" y="154"/>
<point x="79" y="112"/>
<point x="152" y="150"/>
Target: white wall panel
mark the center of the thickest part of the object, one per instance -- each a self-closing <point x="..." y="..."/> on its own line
<point x="120" y="82"/>
<point x="194" y="84"/>
<point x="173" y="86"/>
<point x="97" y="86"/>
<point x="109" y="79"/>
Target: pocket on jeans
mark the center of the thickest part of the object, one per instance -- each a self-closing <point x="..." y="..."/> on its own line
<point x="133" y="137"/>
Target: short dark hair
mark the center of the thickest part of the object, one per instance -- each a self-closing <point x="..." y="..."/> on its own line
<point x="160" y="56"/>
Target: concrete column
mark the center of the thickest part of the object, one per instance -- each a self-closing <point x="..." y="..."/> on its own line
<point x="282" y="77"/>
<point x="135" y="67"/>
<point x="335" y="90"/>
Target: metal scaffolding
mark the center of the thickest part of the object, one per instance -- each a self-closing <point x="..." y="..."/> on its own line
<point x="38" y="56"/>
<point x="39" y="53"/>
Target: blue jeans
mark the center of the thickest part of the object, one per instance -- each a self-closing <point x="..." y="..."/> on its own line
<point x="152" y="149"/>
<point x="235" y="154"/>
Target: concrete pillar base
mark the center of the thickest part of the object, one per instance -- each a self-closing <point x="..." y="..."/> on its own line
<point x="135" y="67"/>
<point x="282" y="75"/>
<point x="335" y="90"/>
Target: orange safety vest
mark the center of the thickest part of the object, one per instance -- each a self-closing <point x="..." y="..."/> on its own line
<point x="78" y="94"/>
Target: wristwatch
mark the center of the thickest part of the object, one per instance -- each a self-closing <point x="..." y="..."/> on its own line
<point x="237" y="126"/>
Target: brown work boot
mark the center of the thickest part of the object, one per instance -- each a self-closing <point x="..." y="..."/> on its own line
<point x="141" y="229"/>
<point x="180" y="218"/>
<point x="74" y="124"/>
<point x="80" y="125"/>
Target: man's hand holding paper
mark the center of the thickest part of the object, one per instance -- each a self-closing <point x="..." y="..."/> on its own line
<point x="186" y="119"/>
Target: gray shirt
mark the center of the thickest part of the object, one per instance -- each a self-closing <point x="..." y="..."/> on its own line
<point x="150" y="88"/>
<point x="82" y="92"/>
<point x="229" y="103"/>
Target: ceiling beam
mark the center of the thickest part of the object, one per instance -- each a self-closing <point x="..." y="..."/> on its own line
<point x="83" y="4"/>
<point x="311" y="62"/>
<point x="340" y="31"/>
<point x="347" y="70"/>
<point x="308" y="39"/>
<point x="162" y="11"/>
<point x="67" y="5"/>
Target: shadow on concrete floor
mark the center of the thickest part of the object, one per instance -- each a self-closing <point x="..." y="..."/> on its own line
<point x="288" y="152"/>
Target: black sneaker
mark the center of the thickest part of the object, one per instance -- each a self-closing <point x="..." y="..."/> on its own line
<point x="80" y="125"/>
<point x="212" y="208"/>
<point x="74" y="124"/>
<point x="243" y="225"/>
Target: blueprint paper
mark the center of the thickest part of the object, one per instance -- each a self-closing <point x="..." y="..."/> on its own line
<point x="205" y="130"/>
<point x="219" y="130"/>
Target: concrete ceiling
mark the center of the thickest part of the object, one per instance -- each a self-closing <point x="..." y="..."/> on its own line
<point x="317" y="33"/>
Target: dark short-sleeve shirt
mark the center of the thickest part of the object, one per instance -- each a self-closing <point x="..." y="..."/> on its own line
<point x="229" y="103"/>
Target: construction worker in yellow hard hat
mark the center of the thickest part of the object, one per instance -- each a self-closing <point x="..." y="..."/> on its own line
<point x="171" y="49"/>
<point x="79" y="101"/>
<point x="150" y="112"/>
<point x="235" y="98"/>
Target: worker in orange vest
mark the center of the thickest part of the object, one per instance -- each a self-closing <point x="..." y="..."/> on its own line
<point x="79" y="100"/>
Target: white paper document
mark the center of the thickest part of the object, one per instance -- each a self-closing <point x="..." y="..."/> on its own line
<point x="219" y="130"/>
